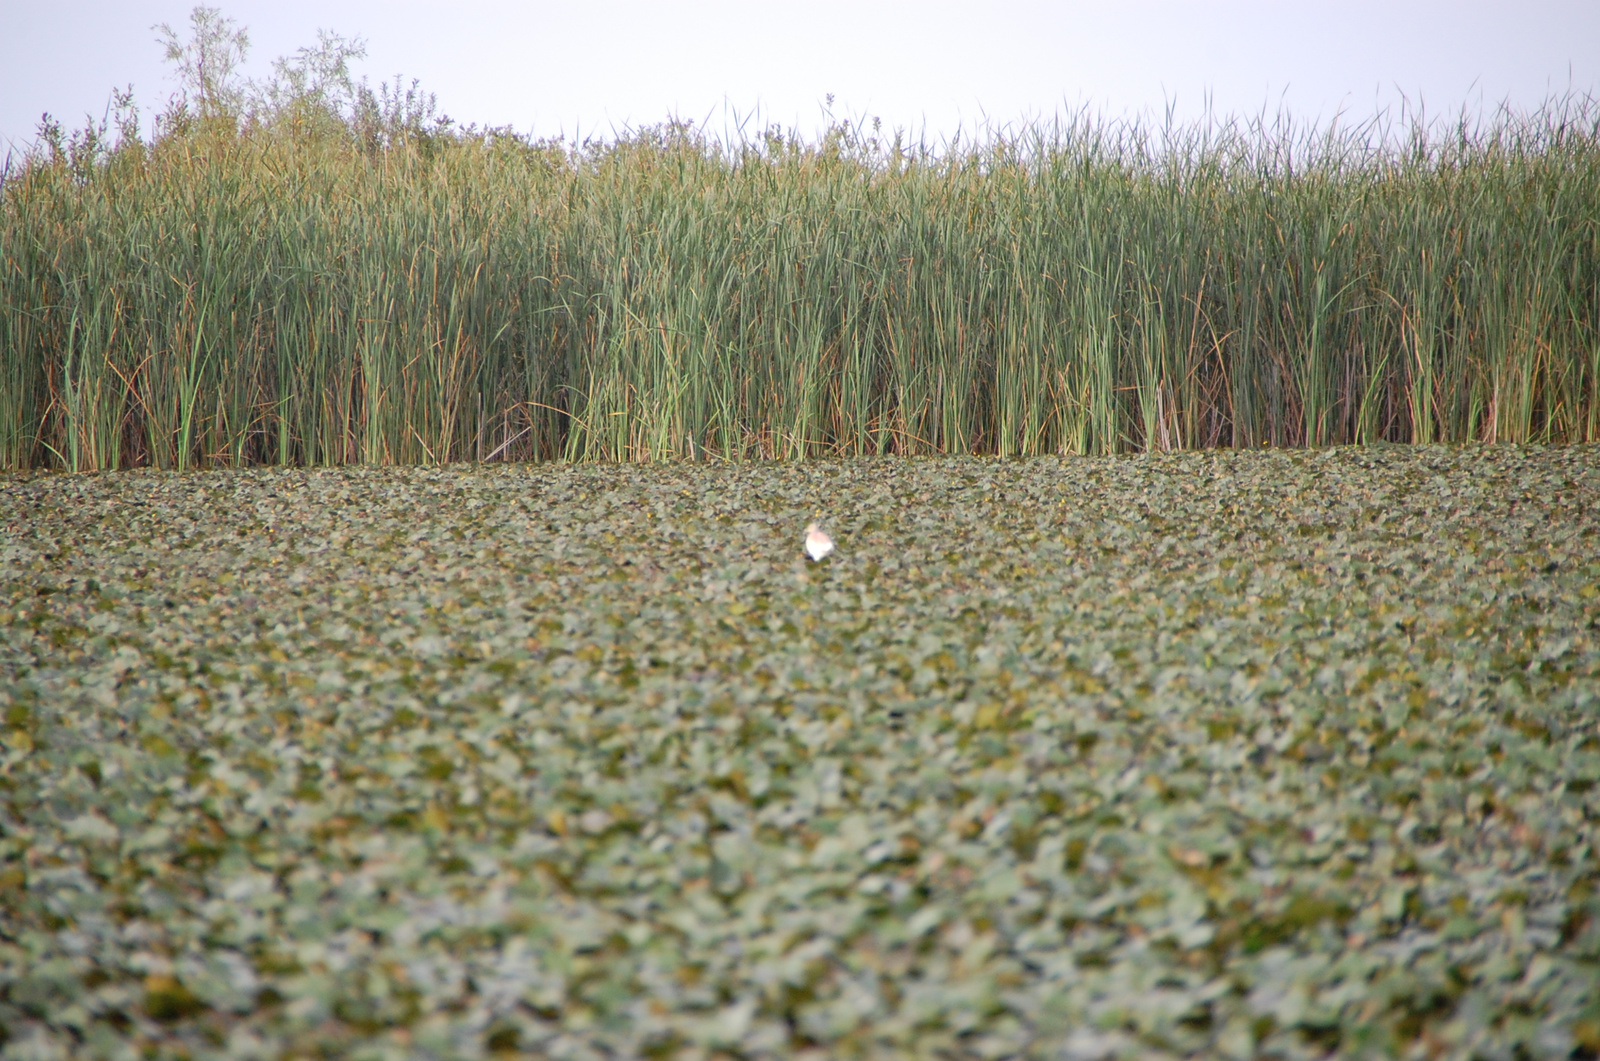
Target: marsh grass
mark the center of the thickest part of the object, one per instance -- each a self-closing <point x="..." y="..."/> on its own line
<point x="233" y="294"/>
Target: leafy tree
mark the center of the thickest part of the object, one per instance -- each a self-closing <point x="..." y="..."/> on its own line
<point x="391" y="116"/>
<point x="311" y="91"/>
<point x="208" y="62"/>
<point x="314" y="85"/>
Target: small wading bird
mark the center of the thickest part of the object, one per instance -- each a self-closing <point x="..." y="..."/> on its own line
<point x="818" y="544"/>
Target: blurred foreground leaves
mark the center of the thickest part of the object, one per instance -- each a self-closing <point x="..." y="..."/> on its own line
<point x="1212" y="754"/>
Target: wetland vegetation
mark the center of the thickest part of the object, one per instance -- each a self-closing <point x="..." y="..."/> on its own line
<point x="1201" y="754"/>
<point x="440" y="674"/>
<point x="337" y="275"/>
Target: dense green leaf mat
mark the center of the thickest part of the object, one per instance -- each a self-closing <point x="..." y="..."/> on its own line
<point x="1211" y="754"/>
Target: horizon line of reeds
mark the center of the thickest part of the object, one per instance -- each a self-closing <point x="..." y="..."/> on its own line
<point x="227" y="295"/>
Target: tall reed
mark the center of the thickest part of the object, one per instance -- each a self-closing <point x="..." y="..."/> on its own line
<point x="230" y="295"/>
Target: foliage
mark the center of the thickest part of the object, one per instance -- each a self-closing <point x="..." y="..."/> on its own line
<point x="340" y="275"/>
<point x="207" y="64"/>
<point x="315" y="85"/>
<point x="1219" y="754"/>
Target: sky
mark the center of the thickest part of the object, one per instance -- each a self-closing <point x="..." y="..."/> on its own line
<point x="598" y="67"/>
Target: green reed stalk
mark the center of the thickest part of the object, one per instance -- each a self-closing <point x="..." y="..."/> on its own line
<point x="232" y="296"/>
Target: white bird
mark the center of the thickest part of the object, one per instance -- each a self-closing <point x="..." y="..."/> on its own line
<point x="818" y="544"/>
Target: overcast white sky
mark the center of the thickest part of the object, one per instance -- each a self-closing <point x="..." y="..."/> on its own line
<point x="583" y="67"/>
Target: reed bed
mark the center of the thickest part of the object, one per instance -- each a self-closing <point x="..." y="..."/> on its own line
<point x="240" y="295"/>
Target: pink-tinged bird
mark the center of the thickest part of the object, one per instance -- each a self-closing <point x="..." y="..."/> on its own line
<point x="818" y="544"/>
